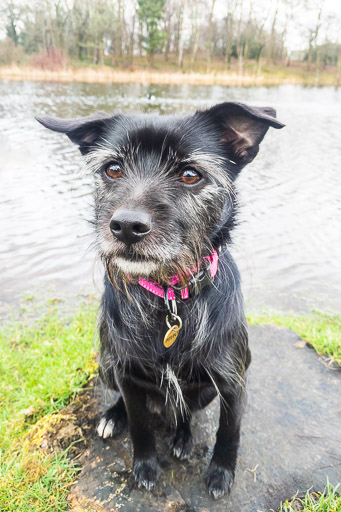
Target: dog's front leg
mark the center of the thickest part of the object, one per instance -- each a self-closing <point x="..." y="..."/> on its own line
<point x="221" y="471"/>
<point x="182" y="441"/>
<point x="146" y="468"/>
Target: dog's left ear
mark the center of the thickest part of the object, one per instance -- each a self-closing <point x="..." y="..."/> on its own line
<point x="83" y="131"/>
<point x="242" y="128"/>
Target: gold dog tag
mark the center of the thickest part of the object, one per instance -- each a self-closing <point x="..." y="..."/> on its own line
<point x="173" y="330"/>
<point x="171" y="336"/>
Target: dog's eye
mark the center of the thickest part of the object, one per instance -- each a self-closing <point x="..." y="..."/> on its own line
<point x="190" y="176"/>
<point x="113" y="170"/>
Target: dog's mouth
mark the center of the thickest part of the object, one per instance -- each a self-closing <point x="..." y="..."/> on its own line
<point x="136" y="264"/>
<point x="127" y="264"/>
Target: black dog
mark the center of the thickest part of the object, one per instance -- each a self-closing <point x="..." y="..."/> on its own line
<point x="173" y="331"/>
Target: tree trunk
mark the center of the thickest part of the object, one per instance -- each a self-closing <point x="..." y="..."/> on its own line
<point x="240" y="62"/>
<point x="195" y="36"/>
<point x="239" y="43"/>
<point x="121" y="24"/>
<point x="229" y="33"/>
<point x="168" y="37"/>
<point x="131" y="42"/>
<point x="338" y="68"/>
<point x="272" y="36"/>
<point x="140" y="38"/>
<point x="181" y="34"/>
<point x="317" y="66"/>
<point x="310" y="54"/>
<point x="96" y="52"/>
<point x="210" y="37"/>
<point x="313" y="38"/>
<point x="195" y="48"/>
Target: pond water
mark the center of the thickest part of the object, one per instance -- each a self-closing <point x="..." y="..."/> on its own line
<point x="287" y="244"/>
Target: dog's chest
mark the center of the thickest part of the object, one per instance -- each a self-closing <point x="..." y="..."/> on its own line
<point x="170" y="388"/>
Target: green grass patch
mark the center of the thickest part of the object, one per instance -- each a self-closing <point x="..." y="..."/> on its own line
<point x="321" y="330"/>
<point x="33" y="481"/>
<point x="327" y="501"/>
<point x="44" y="363"/>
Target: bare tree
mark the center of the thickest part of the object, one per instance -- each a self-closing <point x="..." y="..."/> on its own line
<point x="195" y="31"/>
<point x="313" y="33"/>
<point x="210" y="36"/>
<point x="271" y="45"/>
<point x="132" y="39"/>
<point x="181" y="32"/>
<point x="239" y="41"/>
<point x="168" y="27"/>
<point x="229" y="25"/>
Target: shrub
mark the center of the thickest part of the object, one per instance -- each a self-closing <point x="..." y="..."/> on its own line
<point x="9" y="53"/>
<point x="51" y="60"/>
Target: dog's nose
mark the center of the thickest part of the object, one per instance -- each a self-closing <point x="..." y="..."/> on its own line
<point x="130" y="226"/>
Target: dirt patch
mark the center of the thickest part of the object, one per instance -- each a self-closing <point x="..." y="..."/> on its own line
<point x="71" y="428"/>
<point x="87" y="505"/>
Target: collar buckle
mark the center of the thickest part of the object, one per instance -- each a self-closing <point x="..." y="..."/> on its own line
<point x="196" y="283"/>
<point x="200" y="281"/>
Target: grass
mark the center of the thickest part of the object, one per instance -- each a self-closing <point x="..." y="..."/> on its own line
<point x="46" y="359"/>
<point x="44" y="363"/>
<point x="321" y="330"/>
<point x="327" y="501"/>
<point x="168" y="72"/>
<point x="30" y="481"/>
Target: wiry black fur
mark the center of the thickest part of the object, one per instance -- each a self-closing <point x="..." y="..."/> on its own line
<point x="210" y="355"/>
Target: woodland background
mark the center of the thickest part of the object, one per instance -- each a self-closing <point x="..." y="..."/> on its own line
<point x="241" y="36"/>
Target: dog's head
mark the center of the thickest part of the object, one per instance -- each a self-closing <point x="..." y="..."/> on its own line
<point x="164" y="184"/>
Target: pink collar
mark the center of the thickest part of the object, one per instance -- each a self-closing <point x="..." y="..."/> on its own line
<point x="154" y="287"/>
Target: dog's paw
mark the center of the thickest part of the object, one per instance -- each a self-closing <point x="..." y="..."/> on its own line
<point x="182" y="444"/>
<point x="219" y="480"/>
<point x="113" y="421"/>
<point x="146" y="472"/>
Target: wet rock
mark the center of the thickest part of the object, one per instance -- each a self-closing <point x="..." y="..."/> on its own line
<point x="291" y="441"/>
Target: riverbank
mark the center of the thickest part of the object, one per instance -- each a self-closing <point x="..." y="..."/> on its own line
<point x="47" y="364"/>
<point x="107" y="74"/>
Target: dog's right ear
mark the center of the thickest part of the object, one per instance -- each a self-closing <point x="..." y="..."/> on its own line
<point x="241" y="128"/>
<point x="83" y="131"/>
